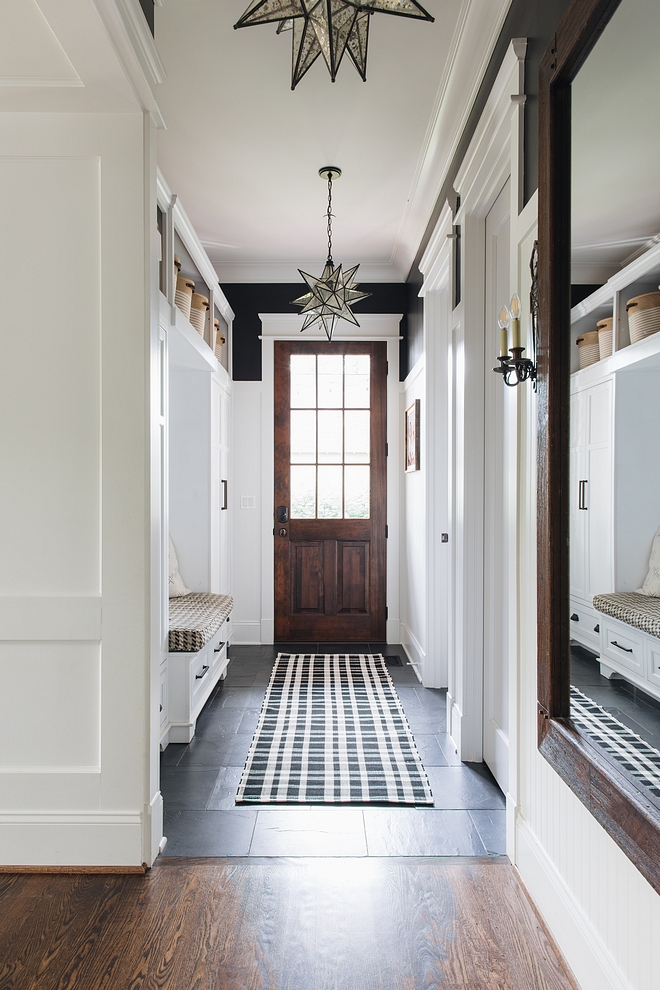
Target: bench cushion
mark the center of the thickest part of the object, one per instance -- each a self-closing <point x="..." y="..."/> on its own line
<point x="195" y="619"/>
<point x="632" y="608"/>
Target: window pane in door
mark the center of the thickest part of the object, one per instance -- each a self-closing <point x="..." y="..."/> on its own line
<point x="356" y="381"/>
<point x="303" y="436"/>
<point x="303" y="381"/>
<point x="329" y="492"/>
<point x="330" y="424"/>
<point x="356" y="436"/>
<point x="356" y="492"/>
<point x="330" y="381"/>
<point x="303" y="492"/>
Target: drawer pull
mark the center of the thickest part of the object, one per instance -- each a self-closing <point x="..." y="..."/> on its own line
<point x="205" y="670"/>
<point x="575" y="617"/>
<point x="597" y="627"/>
<point x="619" y="647"/>
<point x="218" y="647"/>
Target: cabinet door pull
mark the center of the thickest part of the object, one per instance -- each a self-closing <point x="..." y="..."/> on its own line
<point x="619" y="647"/>
<point x="582" y="495"/>
<point x="575" y="617"/>
<point x="205" y="670"/>
<point x="224" y="494"/>
<point x="597" y="627"/>
<point x="218" y="647"/>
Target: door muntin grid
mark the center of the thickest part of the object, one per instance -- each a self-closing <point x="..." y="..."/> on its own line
<point x="329" y="436"/>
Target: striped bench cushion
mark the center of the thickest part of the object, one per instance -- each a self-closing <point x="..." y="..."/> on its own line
<point x="195" y="619"/>
<point x="640" y="611"/>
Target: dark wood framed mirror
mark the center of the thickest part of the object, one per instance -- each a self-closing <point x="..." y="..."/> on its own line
<point x="621" y="807"/>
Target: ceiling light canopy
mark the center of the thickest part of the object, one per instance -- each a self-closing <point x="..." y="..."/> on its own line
<point x="327" y="27"/>
<point x="331" y="296"/>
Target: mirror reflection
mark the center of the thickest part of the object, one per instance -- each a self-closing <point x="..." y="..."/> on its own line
<point x="615" y="395"/>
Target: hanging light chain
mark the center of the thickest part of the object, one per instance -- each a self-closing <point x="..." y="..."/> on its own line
<point x="329" y="215"/>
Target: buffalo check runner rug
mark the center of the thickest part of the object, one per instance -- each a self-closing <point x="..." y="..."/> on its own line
<point x="332" y="730"/>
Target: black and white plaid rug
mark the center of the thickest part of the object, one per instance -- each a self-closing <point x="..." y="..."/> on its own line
<point x="633" y="753"/>
<point x="332" y="730"/>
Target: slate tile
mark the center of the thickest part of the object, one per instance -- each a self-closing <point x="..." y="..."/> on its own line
<point x="446" y="744"/>
<point x="491" y="826"/>
<point x="429" y="750"/>
<point x="421" y="832"/>
<point x="171" y="756"/>
<point x="209" y="833"/>
<point x="223" y="751"/>
<point x="187" y="789"/>
<point x="464" y="788"/>
<point x="309" y="832"/>
<point x="226" y="784"/>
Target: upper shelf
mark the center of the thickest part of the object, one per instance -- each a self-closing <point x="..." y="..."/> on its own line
<point x="642" y="275"/>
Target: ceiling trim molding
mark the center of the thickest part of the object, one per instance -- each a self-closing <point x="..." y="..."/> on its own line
<point x="288" y="271"/>
<point x="135" y="51"/>
<point x="478" y="29"/>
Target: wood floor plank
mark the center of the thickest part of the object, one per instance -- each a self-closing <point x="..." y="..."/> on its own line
<point x="320" y="924"/>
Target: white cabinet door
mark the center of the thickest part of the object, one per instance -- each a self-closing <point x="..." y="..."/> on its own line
<point x="598" y="497"/>
<point x="578" y="522"/>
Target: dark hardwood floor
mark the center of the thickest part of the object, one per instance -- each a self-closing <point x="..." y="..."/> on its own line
<point x="280" y="924"/>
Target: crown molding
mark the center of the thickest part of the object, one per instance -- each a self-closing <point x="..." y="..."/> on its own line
<point x="477" y="31"/>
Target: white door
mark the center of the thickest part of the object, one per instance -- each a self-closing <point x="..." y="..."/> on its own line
<point x="496" y="576"/>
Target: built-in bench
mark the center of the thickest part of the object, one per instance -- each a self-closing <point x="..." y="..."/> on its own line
<point x="199" y="633"/>
<point x="630" y="638"/>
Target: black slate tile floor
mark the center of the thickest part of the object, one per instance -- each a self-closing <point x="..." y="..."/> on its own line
<point x="199" y="781"/>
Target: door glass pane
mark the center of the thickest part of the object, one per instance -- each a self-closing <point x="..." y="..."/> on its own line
<point x="303" y="492"/>
<point x="330" y="436"/>
<point x="330" y="374"/>
<point x="356" y="437"/>
<point x="303" y="381"/>
<point x="356" y="492"/>
<point x="356" y="381"/>
<point x="303" y="436"/>
<point x="329" y="492"/>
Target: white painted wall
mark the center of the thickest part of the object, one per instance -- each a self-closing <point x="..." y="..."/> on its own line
<point x="74" y="508"/>
<point x="413" y="543"/>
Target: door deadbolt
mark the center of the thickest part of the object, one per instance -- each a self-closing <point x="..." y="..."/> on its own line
<point x="282" y="514"/>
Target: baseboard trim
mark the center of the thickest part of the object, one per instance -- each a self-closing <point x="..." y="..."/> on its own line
<point x="76" y="869"/>
<point x="413" y="649"/>
<point x="246" y="633"/>
<point x="583" y="949"/>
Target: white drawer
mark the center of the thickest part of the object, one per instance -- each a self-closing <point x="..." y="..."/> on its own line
<point x="623" y="645"/>
<point x="200" y="674"/>
<point x="653" y="661"/>
<point x="584" y="625"/>
<point x="163" y="696"/>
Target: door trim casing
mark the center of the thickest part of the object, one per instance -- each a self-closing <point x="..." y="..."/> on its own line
<point x="373" y="326"/>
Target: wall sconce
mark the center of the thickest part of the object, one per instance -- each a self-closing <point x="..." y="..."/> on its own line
<point x="516" y="368"/>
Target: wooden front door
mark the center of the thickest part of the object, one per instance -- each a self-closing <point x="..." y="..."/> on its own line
<point x="330" y="491"/>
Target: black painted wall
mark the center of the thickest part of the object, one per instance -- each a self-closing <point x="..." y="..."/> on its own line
<point x="537" y="21"/>
<point x="249" y="299"/>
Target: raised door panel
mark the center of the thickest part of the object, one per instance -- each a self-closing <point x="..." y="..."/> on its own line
<point x="599" y="521"/>
<point x="353" y="577"/>
<point x="307" y="580"/>
<point x="578" y="546"/>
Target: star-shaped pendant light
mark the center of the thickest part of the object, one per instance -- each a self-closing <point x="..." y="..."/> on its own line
<point x="331" y="296"/>
<point x="327" y="27"/>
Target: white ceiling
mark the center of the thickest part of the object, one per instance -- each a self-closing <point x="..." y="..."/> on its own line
<point x="616" y="145"/>
<point x="242" y="151"/>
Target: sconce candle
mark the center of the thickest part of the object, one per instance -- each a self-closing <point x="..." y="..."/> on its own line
<point x="515" y="322"/>
<point x="503" y="324"/>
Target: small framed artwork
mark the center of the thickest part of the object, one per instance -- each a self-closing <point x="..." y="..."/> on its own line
<point x="411" y="442"/>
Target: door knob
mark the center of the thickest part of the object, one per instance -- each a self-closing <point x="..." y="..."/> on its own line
<point x="282" y="532"/>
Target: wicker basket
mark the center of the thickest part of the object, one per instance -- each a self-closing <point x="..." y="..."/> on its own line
<point x="198" y="309"/>
<point x="588" y="348"/>
<point x="184" y="293"/>
<point x="177" y="267"/>
<point x="605" y="337"/>
<point x="218" y="339"/>
<point x="643" y="315"/>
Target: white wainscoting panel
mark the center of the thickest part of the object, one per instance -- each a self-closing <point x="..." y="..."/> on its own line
<point x="413" y="542"/>
<point x="246" y="490"/>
